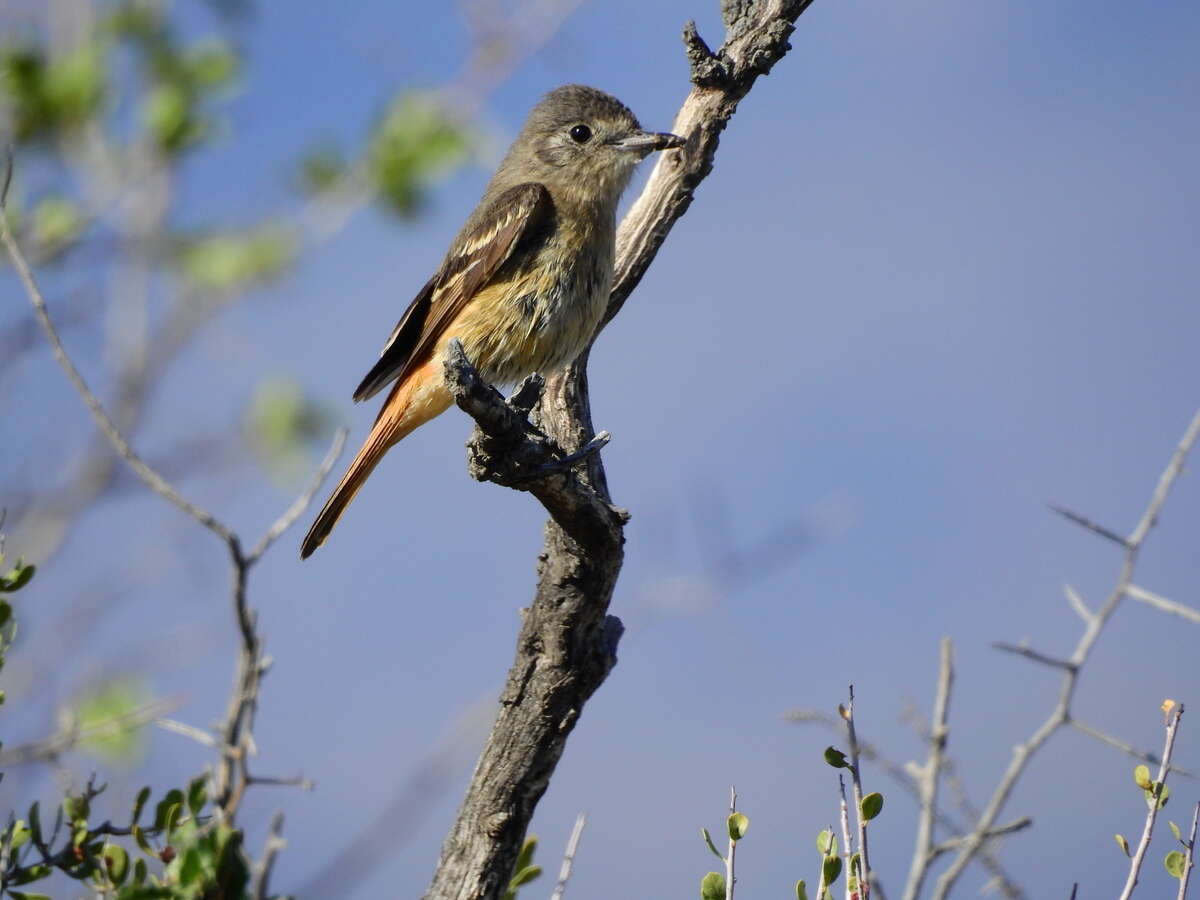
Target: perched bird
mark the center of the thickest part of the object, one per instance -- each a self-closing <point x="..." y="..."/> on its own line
<point x="525" y="282"/>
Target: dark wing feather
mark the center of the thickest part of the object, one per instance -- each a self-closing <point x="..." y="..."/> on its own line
<point x="485" y="244"/>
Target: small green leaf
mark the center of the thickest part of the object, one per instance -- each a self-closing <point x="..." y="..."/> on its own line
<point x="524" y="876"/>
<point x="525" y="857"/>
<point x="20" y="834"/>
<point x="1122" y="843"/>
<point x="1176" y="864"/>
<point x="174" y="811"/>
<point x="173" y="797"/>
<point x="17" y="578"/>
<point x="712" y="886"/>
<point x="1141" y="777"/>
<point x="190" y="866"/>
<point x="737" y="825"/>
<point x="826" y="843"/>
<point x="140" y="872"/>
<point x="140" y="837"/>
<point x="21" y="895"/>
<point x="116" y="862"/>
<point x="30" y="874"/>
<point x="711" y="846"/>
<point x="836" y="758"/>
<point x="832" y="868"/>
<point x="1159" y="789"/>
<point x="197" y="795"/>
<point x="140" y="803"/>
<point x="1175" y="831"/>
<point x="872" y="805"/>
<point x="801" y="890"/>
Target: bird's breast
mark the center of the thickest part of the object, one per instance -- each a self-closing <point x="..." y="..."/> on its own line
<point x="539" y="315"/>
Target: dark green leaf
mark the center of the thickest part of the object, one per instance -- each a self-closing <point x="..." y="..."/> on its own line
<point x="872" y="805"/>
<point x="712" y="886"/>
<point x="737" y="825"/>
<point x="139" y="804"/>
<point x="173" y="797"/>
<point x="139" y="836"/>
<point x="836" y="758"/>
<point x="190" y="866"/>
<point x="197" y="795"/>
<point x="140" y="872"/>
<point x="801" y="890"/>
<point x="17" y="578"/>
<point x="832" y="867"/>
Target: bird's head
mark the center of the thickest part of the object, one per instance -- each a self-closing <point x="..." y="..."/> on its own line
<point x="583" y="142"/>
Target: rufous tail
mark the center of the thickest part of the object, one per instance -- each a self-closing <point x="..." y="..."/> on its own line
<point x="406" y="408"/>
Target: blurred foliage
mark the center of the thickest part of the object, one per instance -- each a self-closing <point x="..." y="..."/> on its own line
<point x="48" y="96"/>
<point x="280" y="422"/>
<point x="525" y="869"/>
<point x="109" y="702"/>
<point x="231" y="262"/>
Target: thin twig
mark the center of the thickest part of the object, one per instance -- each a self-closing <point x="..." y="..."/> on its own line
<point x="564" y="872"/>
<point x="930" y="775"/>
<point x="1189" y="855"/>
<point x="149" y="476"/>
<point x="847" y="841"/>
<point x="1089" y="525"/>
<point x="1155" y="804"/>
<point x="1030" y="654"/>
<point x="1061" y="714"/>
<point x="1077" y="603"/>
<point x="275" y="843"/>
<point x="730" y="874"/>
<point x="199" y="735"/>
<point x="954" y="843"/>
<point x="864" y="863"/>
<point x="1144" y="755"/>
<point x="67" y="739"/>
<point x="1162" y="603"/>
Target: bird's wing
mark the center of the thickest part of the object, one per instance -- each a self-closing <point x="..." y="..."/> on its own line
<point x="473" y="261"/>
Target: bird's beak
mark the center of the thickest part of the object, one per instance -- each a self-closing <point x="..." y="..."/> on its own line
<point x="644" y="142"/>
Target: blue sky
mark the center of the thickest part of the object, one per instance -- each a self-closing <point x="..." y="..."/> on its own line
<point x="943" y="273"/>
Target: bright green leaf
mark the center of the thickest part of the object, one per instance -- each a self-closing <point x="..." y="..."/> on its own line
<point x="826" y="843"/>
<point x="712" y="886"/>
<point x="737" y="825"/>
<point x="1176" y="864"/>
<point x="524" y="876"/>
<point x="832" y="868"/>
<point x="1141" y="777"/>
<point x="1175" y="831"/>
<point x="116" y="862"/>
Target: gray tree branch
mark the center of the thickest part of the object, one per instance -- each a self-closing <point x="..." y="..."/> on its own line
<point x="567" y="642"/>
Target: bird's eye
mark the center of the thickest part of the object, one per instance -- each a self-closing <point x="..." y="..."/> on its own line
<point x="580" y="134"/>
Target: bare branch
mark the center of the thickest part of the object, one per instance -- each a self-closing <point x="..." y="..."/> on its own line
<point x="1144" y="755"/>
<point x="1077" y="603"/>
<point x="930" y="774"/>
<point x="149" y="476"/>
<point x="999" y="831"/>
<point x="1159" y="602"/>
<point x="564" y="873"/>
<point x="847" y="839"/>
<point x="1061" y="714"/>
<point x="275" y="843"/>
<point x="1034" y="655"/>
<point x="1189" y="855"/>
<point x="1154" y="802"/>
<point x="1087" y="523"/>
<point x="567" y="642"/>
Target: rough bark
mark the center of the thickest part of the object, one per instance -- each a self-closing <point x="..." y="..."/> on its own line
<point x="567" y="642"/>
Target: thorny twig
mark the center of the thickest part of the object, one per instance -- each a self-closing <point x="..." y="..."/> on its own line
<point x="1061" y="714"/>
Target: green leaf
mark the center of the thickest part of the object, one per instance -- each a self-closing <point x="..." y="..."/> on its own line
<point x="5" y="613"/>
<point x="109" y="703"/>
<point x="140" y="872"/>
<point x="836" y="758"/>
<point x="711" y="846"/>
<point x="826" y="843"/>
<point x="832" y="868"/>
<point x="1176" y="864"/>
<point x="872" y="805"/>
<point x="322" y="169"/>
<point x="173" y="797"/>
<point x="1141" y="777"/>
<point x="712" y="886"/>
<point x="30" y="874"/>
<point x="1158" y="789"/>
<point x="524" y="876"/>
<point x="737" y="825"/>
<point x="413" y="143"/>
<point x="210" y="64"/>
<point x="236" y="261"/>
<point x="20" y="834"/>
<point x="139" y="835"/>
<point x="116" y="862"/>
<point x="17" y="578"/>
<point x="1175" y="831"/>
<point x="197" y="795"/>
<point x="139" y="804"/>
<point x="55" y="223"/>
<point x="525" y="857"/>
<point x="76" y="809"/>
<point x="21" y="895"/>
<point x="169" y="114"/>
<point x="190" y="866"/>
<point x="801" y="890"/>
<point x="35" y="823"/>
<point x="1122" y="843"/>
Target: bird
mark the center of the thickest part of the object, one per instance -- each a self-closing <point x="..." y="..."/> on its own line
<point x="525" y="282"/>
